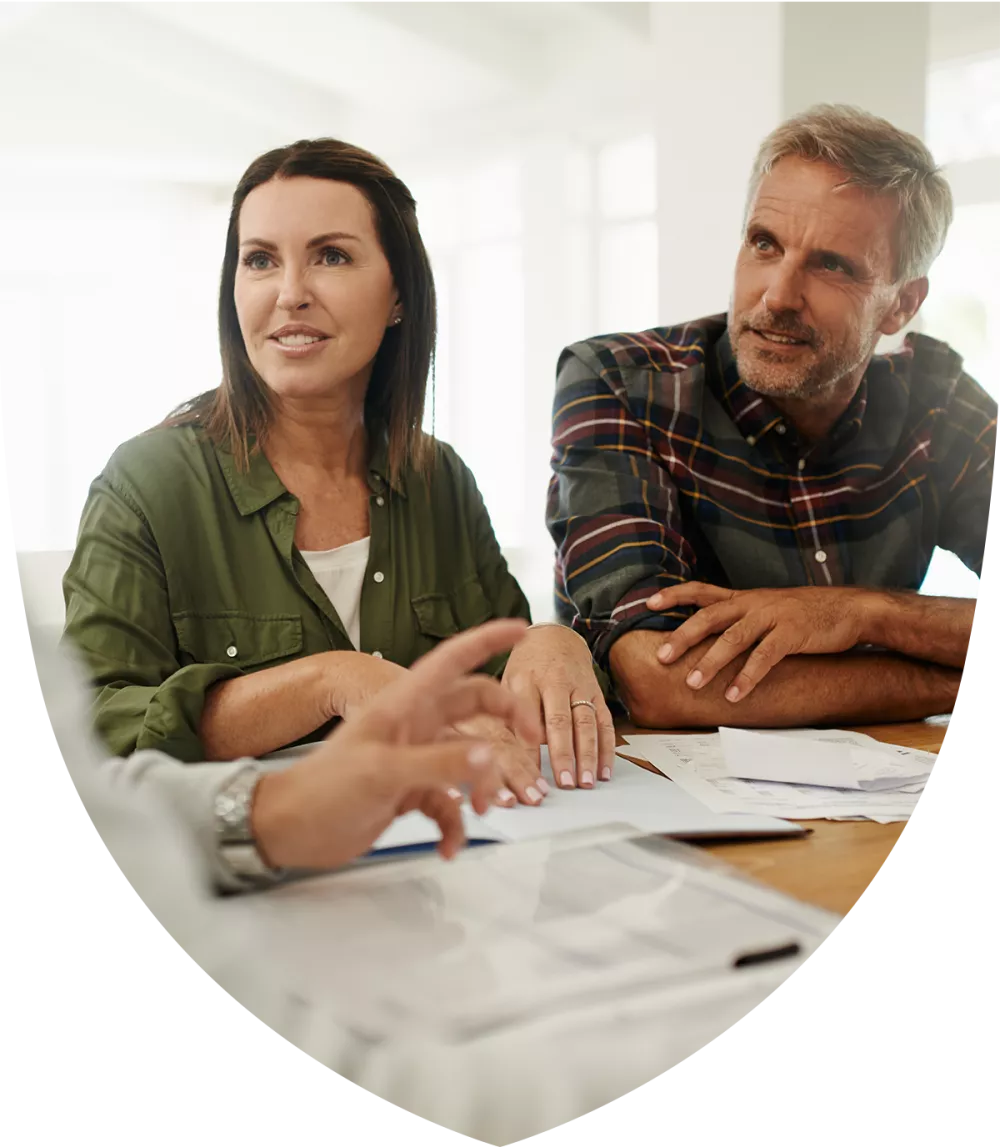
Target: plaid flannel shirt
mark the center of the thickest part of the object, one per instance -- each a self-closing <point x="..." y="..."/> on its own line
<point x="668" y="468"/>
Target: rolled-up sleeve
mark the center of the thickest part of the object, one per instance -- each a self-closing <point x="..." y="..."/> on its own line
<point x="118" y="618"/>
<point x="612" y="510"/>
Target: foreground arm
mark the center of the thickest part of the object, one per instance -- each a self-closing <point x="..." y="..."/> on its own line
<point x="848" y="688"/>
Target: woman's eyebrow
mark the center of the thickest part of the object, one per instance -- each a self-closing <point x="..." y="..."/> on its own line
<point x="327" y="237"/>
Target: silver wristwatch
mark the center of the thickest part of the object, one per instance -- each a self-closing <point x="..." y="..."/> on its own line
<point x="237" y="847"/>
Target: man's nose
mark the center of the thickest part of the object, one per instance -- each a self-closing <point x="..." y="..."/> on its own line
<point x="784" y="290"/>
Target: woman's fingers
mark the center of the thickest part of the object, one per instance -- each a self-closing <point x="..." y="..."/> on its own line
<point x="441" y="807"/>
<point x="605" y="739"/>
<point x="582" y="759"/>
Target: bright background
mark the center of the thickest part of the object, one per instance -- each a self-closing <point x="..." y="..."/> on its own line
<point x="579" y="168"/>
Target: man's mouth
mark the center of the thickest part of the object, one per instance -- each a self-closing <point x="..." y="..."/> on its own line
<point x="781" y="339"/>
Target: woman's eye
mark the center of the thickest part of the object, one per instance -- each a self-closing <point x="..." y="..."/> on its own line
<point x="332" y="257"/>
<point x="257" y="261"/>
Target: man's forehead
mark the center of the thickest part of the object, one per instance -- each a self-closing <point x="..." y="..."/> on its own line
<point x="817" y="195"/>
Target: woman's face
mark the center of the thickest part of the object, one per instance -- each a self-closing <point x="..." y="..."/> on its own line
<point x="314" y="293"/>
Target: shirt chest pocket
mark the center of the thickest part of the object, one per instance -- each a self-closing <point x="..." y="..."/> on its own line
<point x="231" y="637"/>
<point x="441" y="615"/>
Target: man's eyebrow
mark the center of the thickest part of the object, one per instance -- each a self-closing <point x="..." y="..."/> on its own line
<point x="328" y="237"/>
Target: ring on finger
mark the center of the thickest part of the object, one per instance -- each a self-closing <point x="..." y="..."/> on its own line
<point x="590" y="705"/>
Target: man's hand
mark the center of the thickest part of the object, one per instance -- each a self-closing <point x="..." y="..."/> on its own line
<point x="774" y="622"/>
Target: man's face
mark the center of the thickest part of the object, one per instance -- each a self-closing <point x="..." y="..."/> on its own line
<point x="814" y="281"/>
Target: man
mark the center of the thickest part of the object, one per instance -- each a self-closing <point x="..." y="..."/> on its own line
<point x="744" y="506"/>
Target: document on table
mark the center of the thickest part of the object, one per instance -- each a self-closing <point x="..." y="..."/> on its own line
<point x="701" y="765"/>
<point x="651" y="911"/>
<point x="635" y="796"/>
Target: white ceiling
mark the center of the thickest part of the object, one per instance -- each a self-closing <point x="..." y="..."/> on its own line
<point x="187" y="91"/>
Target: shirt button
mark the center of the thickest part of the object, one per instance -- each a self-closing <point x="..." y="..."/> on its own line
<point x="751" y="441"/>
<point x="802" y="464"/>
<point x="380" y="501"/>
<point x="377" y="654"/>
<point x="780" y="428"/>
<point x="821" y="555"/>
<point x="379" y="576"/>
<point x="232" y="651"/>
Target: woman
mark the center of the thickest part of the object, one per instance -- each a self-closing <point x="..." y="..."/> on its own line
<point x="284" y="546"/>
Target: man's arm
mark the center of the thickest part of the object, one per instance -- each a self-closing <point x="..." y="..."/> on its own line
<point x="846" y="688"/>
<point x="930" y="628"/>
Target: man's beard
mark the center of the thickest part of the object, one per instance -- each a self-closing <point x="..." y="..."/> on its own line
<point x="771" y="374"/>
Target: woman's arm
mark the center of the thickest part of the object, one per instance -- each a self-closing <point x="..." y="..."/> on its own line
<point x="262" y="711"/>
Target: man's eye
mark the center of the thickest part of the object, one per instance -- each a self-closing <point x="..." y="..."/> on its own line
<point x="762" y="243"/>
<point x="831" y="263"/>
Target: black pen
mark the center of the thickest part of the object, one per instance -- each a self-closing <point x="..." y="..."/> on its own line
<point x="765" y="955"/>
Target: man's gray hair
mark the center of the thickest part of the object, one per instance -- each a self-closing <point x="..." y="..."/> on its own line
<point x="878" y="157"/>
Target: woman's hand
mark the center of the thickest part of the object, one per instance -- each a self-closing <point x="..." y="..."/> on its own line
<point x="516" y="760"/>
<point x="334" y="804"/>
<point x="552" y="671"/>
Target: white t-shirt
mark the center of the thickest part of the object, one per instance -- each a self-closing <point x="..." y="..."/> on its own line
<point x="341" y="574"/>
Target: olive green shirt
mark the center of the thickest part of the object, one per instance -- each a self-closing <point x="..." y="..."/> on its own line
<point x="186" y="573"/>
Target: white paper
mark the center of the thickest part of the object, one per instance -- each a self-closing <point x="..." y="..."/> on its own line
<point x="697" y="763"/>
<point x="831" y="763"/>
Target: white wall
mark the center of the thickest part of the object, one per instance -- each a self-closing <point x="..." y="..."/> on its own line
<point x="578" y="167"/>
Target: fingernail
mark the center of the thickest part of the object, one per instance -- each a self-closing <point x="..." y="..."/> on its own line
<point x="732" y="693"/>
<point x="605" y="774"/>
<point x="665" y="652"/>
<point x="566" y="779"/>
<point x="655" y="600"/>
<point x="694" y="678"/>
<point x="532" y="794"/>
<point x="455" y="794"/>
<point x="543" y="785"/>
<point x="587" y="779"/>
<point x="505" y="796"/>
<point x="480" y="755"/>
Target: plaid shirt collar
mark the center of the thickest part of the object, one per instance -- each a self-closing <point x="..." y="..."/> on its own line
<point x="758" y="419"/>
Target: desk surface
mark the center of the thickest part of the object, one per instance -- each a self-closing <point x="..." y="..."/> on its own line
<point x="836" y="862"/>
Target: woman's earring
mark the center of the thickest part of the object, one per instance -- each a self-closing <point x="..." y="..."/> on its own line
<point x="397" y="320"/>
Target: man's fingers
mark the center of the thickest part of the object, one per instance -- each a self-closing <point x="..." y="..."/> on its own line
<point x="763" y="659"/>
<point x="711" y="619"/>
<point x="732" y="642"/>
<point x="688" y="593"/>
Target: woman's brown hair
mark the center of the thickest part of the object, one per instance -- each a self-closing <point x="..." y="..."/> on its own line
<point x="240" y="408"/>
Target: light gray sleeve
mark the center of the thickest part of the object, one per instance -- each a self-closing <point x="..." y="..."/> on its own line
<point x="189" y="791"/>
<point x="160" y="787"/>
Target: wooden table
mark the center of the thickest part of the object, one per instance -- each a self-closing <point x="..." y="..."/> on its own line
<point x="836" y="862"/>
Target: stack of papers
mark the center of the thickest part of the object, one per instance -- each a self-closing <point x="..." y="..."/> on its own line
<point x="636" y="796"/>
<point x="807" y="774"/>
